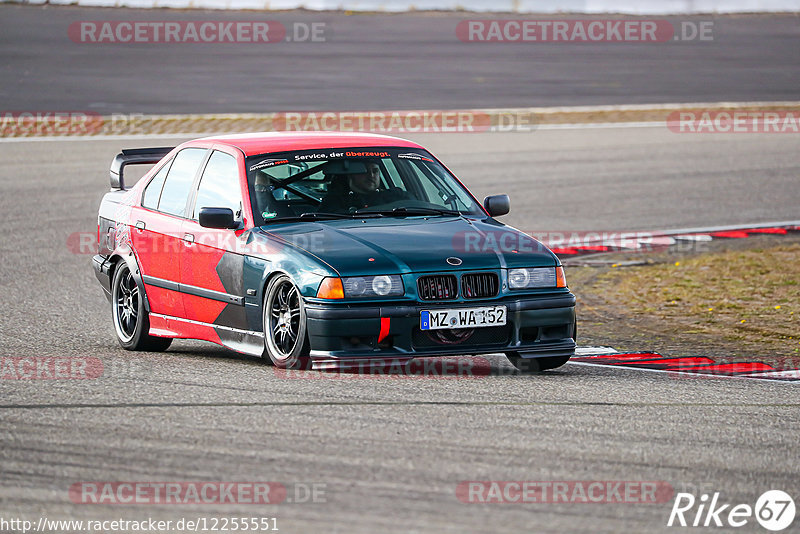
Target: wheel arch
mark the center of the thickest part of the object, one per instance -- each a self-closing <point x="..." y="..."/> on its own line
<point x="130" y="260"/>
<point x="306" y="281"/>
<point x="270" y="276"/>
<point x="261" y="271"/>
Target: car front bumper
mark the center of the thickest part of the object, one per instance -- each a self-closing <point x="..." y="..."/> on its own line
<point x="536" y="327"/>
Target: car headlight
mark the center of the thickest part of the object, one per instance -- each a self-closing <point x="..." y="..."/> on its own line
<point x="536" y="277"/>
<point x="373" y="286"/>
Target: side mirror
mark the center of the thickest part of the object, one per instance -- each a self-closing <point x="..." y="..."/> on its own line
<point x="497" y="205"/>
<point x="217" y="218"/>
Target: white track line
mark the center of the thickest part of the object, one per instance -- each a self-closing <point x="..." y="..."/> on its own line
<point x="790" y="373"/>
<point x="598" y="125"/>
<point x="767" y="376"/>
<point x="726" y="228"/>
<point x="685" y="374"/>
<point x="594" y="351"/>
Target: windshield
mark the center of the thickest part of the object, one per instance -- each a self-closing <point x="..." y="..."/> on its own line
<point x="336" y="183"/>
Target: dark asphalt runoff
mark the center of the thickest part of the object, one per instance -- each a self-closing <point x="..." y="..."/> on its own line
<point x="381" y="62"/>
<point x="387" y="454"/>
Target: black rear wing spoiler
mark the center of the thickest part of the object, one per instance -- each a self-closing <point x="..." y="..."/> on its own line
<point x="134" y="156"/>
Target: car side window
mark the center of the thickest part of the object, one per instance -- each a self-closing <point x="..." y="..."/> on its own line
<point x="179" y="180"/>
<point x="435" y="188"/>
<point x="153" y="190"/>
<point x="219" y="186"/>
<point x="394" y="175"/>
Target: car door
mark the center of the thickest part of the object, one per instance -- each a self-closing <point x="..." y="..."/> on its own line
<point x="212" y="265"/>
<point x="157" y="230"/>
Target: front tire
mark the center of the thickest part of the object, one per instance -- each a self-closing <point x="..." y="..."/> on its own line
<point x="131" y="320"/>
<point x="284" y="320"/>
<point x="536" y="365"/>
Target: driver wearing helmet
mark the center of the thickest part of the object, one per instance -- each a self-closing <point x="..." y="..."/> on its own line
<point x="360" y="190"/>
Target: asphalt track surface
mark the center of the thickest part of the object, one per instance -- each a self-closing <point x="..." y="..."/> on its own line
<point x="380" y="62"/>
<point x="390" y="452"/>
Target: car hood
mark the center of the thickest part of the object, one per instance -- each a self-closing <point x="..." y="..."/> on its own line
<point x="397" y="245"/>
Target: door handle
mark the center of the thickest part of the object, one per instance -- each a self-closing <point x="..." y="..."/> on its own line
<point x="188" y="239"/>
<point x="140" y="225"/>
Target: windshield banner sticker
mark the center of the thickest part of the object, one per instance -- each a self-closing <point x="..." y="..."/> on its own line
<point x="268" y="163"/>
<point x="338" y="155"/>
<point x="413" y="156"/>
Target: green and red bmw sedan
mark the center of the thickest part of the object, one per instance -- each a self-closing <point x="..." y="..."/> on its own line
<point x="324" y="248"/>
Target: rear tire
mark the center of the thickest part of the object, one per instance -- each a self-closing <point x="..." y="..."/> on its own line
<point x="131" y="320"/>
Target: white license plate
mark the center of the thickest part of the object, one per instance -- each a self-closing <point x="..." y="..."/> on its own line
<point x="462" y="318"/>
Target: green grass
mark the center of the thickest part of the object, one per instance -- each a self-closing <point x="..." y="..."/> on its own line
<point x="750" y="295"/>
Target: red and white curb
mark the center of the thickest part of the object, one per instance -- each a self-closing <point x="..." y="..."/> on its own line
<point x="577" y="244"/>
<point x="682" y="366"/>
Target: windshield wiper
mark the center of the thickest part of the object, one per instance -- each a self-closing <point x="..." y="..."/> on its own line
<point x="404" y="212"/>
<point x="318" y="216"/>
<point x="308" y="217"/>
<point x="325" y="215"/>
